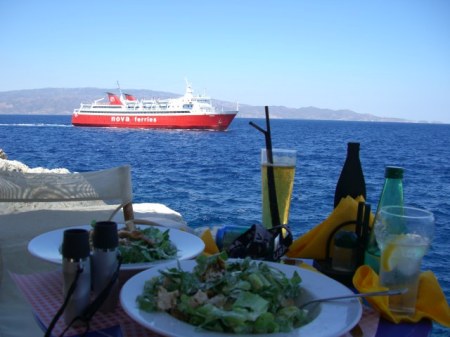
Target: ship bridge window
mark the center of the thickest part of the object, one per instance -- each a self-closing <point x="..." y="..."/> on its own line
<point x="107" y="106"/>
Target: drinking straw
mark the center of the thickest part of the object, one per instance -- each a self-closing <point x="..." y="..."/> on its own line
<point x="270" y="175"/>
<point x="365" y="228"/>
<point x="362" y="230"/>
<point x="359" y="219"/>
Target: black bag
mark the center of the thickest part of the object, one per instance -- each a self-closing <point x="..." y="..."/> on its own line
<point x="260" y="243"/>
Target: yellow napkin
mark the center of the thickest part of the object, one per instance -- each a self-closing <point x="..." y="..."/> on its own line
<point x="312" y="245"/>
<point x="431" y="301"/>
<point x="305" y="265"/>
<point x="210" y="244"/>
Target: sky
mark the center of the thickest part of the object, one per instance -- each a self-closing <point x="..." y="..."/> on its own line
<point x="389" y="58"/>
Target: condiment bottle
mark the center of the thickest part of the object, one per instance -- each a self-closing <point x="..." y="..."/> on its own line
<point x="344" y="251"/>
<point x="391" y="195"/>
<point x="351" y="181"/>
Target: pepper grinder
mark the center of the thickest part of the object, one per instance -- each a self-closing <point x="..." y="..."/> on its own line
<point x="105" y="261"/>
<point x="76" y="272"/>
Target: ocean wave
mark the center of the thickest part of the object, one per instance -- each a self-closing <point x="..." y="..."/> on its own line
<point x="36" y="125"/>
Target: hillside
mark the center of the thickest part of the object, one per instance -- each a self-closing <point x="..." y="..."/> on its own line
<point x="54" y="101"/>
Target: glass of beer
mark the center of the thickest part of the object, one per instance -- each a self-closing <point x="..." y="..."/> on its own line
<point x="284" y="171"/>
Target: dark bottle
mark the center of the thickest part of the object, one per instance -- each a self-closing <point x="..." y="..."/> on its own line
<point x="391" y="195"/>
<point x="351" y="181"/>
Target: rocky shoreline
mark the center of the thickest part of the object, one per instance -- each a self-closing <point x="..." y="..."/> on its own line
<point x="17" y="166"/>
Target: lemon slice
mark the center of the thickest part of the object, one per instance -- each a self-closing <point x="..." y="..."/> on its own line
<point x="388" y="257"/>
<point x="394" y="252"/>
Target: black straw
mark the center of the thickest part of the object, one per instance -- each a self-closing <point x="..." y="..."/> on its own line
<point x="270" y="174"/>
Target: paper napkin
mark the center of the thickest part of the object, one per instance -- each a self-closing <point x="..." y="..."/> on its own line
<point x="210" y="244"/>
<point x="312" y="245"/>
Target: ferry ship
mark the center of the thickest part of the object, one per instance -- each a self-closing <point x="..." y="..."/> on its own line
<point x="125" y="111"/>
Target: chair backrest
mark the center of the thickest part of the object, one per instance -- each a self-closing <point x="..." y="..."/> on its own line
<point x="45" y="190"/>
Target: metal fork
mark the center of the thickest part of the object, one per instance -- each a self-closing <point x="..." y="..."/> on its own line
<point x="374" y="293"/>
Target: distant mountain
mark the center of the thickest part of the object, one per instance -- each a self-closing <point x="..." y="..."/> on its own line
<point x="54" y="101"/>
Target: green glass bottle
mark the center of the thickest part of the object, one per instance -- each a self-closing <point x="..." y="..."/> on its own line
<point x="391" y="195"/>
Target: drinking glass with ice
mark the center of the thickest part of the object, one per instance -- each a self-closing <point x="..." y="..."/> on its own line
<point x="404" y="235"/>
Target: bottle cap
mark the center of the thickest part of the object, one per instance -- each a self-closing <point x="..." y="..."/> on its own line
<point x="393" y="172"/>
<point x="105" y="235"/>
<point x="75" y="244"/>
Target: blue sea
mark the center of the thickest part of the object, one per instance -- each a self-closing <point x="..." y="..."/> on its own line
<point x="213" y="178"/>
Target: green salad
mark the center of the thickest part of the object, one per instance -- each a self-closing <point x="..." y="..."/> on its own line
<point x="243" y="296"/>
<point x="145" y="245"/>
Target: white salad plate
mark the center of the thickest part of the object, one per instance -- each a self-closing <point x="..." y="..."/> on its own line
<point x="333" y="318"/>
<point x="46" y="246"/>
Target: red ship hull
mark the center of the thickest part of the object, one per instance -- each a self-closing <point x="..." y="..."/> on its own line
<point x="218" y="122"/>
